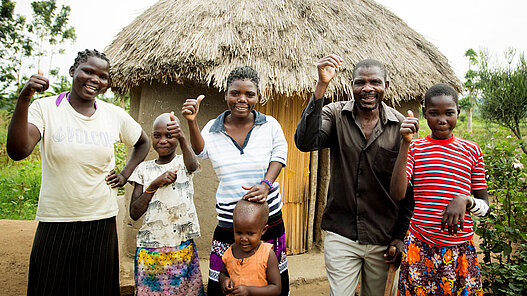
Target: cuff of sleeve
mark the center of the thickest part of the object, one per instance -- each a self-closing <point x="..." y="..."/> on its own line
<point x="315" y="106"/>
<point x="479" y="207"/>
<point x="279" y="159"/>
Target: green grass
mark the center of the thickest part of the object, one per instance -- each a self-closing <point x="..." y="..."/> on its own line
<point x="19" y="181"/>
<point x="19" y="189"/>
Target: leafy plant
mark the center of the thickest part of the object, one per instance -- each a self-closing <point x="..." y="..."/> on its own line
<point x="504" y="94"/>
<point x="471" y="86"/>
<point x="504" y="242"/>
<point x="21" y="40"/>
<point x="15" y="47"/>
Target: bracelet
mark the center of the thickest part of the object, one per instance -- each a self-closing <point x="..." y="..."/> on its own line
<point x="151" y="192"/>
<point x="268" y="183"/>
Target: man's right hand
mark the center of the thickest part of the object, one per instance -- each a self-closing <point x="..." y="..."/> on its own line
<point x="409" y="127"/>
<point x="36" y="83"/>
<point x="327" y="67"/>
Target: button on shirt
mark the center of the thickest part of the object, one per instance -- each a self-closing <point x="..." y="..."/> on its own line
<point x="359" y="205"/>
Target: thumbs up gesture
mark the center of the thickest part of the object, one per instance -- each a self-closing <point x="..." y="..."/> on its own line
<point x="409" y="127"/>
<point x="190" y="108"/>
<point x="173" y="127"/>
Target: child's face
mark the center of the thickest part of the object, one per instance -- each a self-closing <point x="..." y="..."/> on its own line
<point x="441" y="115"/>
<point x="90" y="78"/>
<point x="241" y="97"/>
<point x="162" y="141"/>
<point x="248" y="232"/>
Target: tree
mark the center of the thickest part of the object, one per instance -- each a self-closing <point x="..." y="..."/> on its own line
<point x="51" y="29"/>
<point x="471" y="85"/>
<point x="19" y="41"/>
<point x="15" y="46"/>
<point x="504" y="94"/>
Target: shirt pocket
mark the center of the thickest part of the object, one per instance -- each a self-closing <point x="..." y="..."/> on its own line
<point x="383" y="165"/>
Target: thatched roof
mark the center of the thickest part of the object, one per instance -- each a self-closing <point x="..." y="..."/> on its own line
<point x="202" y="41"/>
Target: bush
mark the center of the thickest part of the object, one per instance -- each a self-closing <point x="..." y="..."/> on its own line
<point x="504" y="242"/>
<point x="19" y="189"/>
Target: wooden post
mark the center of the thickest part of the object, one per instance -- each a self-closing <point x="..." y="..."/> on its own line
<point x="312" y="199"/>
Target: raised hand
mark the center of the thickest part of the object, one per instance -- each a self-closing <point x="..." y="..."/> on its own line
<point x="174" y="128"/>
<point x="327" y="67"/>
<point x="190" y="108"/>
<point x="36" y="83"/>
<point x="409" y="127"/>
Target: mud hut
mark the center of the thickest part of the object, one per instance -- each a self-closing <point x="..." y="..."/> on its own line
<point x="178" y="49"/>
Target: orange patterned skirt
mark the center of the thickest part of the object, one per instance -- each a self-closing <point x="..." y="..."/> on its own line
<point x="431" y="270"/>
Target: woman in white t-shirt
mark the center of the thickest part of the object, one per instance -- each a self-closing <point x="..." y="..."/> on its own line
<point x="75" y="248"/>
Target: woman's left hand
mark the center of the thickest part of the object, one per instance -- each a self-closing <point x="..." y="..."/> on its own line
<point x="115" y="180"/>
<point x="256" y="193"/>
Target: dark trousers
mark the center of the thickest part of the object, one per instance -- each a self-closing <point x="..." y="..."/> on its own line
<point x="75" y="258"/>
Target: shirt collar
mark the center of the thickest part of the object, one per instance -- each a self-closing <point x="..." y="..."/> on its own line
<point x="386" y="114"/>
<point x="218" y="125"/>
<point x="66" y="95"/>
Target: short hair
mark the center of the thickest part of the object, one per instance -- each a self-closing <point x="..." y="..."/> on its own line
<point x="243" y="73"/>
<point x="368" y="63"/>
<point x="165" y="117"/>
<point x="249" y="208"/>
<point x="439" y="90"/>
<point x="82" y="57"/>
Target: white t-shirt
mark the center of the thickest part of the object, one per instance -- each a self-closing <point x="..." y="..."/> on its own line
<point x="77" y="153"/>
<point x="171" y="217"/>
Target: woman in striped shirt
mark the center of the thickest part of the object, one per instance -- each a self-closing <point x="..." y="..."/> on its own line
<point x="247" y="150"/>
<point x="439" y="257"/>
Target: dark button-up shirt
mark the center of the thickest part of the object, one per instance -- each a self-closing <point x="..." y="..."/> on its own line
<point x="359" y="206"/>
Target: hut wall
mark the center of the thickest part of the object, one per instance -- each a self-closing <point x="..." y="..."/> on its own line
<point x="146" y="103"/>
<point x="295" y="177"/>
<point x="150" y="100"/>
<point x="413" y="105"/>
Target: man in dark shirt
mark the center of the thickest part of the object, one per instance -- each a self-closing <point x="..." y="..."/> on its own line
<point x="360" y="218"/>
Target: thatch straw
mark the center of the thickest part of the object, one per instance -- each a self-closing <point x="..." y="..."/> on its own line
<point x="177" y="40"/>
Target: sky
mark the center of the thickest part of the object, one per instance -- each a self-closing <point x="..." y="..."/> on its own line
<point x="452" y="25"/>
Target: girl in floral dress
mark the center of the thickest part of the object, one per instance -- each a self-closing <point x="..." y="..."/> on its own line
<point x="439" y="257"/>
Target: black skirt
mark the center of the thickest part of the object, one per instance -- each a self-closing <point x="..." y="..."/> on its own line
<point x="75" y="258"/>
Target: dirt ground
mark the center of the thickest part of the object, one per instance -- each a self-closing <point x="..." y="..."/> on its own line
<point x="16" y="239"/>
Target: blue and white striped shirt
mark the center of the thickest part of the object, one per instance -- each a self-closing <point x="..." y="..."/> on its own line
<point x="238" y="166"/>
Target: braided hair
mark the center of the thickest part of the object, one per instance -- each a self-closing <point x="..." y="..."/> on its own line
<point x="243" y="73"/>
<point x="82" y="57"/>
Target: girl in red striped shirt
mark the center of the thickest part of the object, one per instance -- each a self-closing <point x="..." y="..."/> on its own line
<point x="439" y="257"/>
